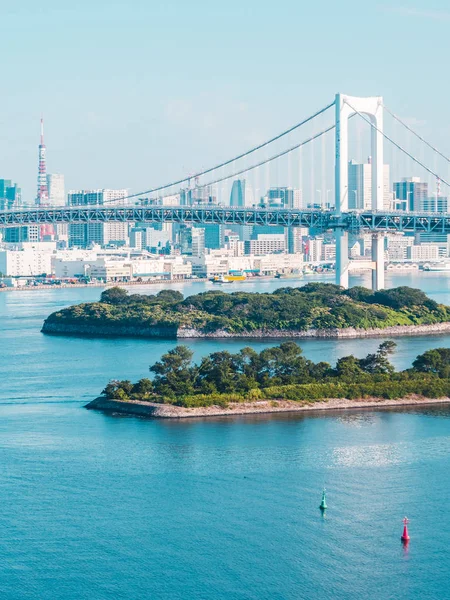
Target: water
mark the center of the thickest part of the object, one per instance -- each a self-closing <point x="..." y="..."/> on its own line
<point x="98" y="507"/>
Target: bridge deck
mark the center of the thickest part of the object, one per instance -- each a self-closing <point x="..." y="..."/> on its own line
<point x="370" y="221"/>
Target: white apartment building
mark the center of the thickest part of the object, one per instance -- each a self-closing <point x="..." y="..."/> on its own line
<point x="278" y="263"/>
<point x="423" y="252"/>
<point x="360" y="186"/>
<point x="397" y="247"/>
<point x="56" y="190"/>
<point x="198" y="241"/>
<point x="266" y="243"/>
<point x="298" y="199"/>
<point x="314" y="250"/>
<point x="329" y="252"/>
<point x="26" y="262"/>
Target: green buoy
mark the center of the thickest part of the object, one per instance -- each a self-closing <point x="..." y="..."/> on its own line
<point x="323" y="504"/>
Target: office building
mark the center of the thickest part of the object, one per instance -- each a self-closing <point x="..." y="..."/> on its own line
<point x="198" y="241"/>
<point x="282" y="196"/>
<point x="360" y="186"/>
<point x="241" y="194"/>
<point x="410" y="194"/>
<point x="437" y="204"/>
<point x="10" y="194"/>
<point x="84" y="234"/>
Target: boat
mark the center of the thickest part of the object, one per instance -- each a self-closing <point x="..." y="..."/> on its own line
<point x="293" y="275"/>
<point x="437" y="267"/>
<point x="228" y="278"/>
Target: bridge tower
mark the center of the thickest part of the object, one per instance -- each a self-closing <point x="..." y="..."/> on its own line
<point x="373" y="108"/>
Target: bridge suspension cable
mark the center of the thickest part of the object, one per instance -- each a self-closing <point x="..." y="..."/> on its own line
<point x="389" y="139"/>
<point x="228" y="162"/>
<point x="416" y="134"/>
<point x="270" y="159"/>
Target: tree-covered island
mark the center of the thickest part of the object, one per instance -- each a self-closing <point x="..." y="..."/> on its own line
<point x="316" y="308"/>
<point x="282" y="373"/>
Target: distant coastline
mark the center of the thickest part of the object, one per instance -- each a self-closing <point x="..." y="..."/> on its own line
<point x="152" y="410"/>
<point x="69" y="286"/>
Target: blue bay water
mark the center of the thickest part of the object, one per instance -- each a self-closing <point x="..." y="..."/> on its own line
<point x="97" y="507"/>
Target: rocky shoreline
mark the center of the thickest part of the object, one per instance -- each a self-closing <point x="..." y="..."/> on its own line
<point x="171" y="332"/>
<point x="168" y="411"/>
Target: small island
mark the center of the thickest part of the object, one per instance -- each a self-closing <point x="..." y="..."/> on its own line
<point x="314" y="310"/>
<point x="278" y="379"/>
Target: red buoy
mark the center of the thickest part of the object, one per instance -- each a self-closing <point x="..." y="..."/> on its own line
<point x="405" y="535"/>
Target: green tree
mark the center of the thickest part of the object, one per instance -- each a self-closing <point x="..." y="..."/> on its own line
<point x="348" y="368"/>
<point x="174" y="374"/>
<point x="434" y="361"/>
<point x="144" y="387"/>
<point x="170" y="296"/>
<point x="114" y="295"/>
<point x="379" y="362"/>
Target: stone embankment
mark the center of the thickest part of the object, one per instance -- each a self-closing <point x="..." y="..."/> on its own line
<point x="168" y="411"/>
<point x="86" y="329"/>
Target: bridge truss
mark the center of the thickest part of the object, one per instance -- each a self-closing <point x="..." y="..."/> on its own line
<point x="319" y="220"/>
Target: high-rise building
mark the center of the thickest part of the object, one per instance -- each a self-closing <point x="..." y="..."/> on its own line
<point x="241" y="194"/>
<point x="214" y="235"/>
<point x="10" y="194"/>
<point x="11" y="197"/>
<point x="281" y="195"/>
<point x="198" y="241"/>
<point x="55" y="186"/>
<point x="84" y="234"/>
<point x="410" y="193"/>
<point x="298" y="199"/>
<point x="360" y="186"/>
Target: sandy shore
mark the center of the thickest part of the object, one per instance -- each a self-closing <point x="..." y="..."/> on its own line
<point x="167" y="411"/>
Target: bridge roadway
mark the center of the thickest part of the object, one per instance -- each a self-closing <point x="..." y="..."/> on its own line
<point x="321" y="220"/>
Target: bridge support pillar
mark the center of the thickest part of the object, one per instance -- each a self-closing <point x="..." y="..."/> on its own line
<point x="342" y="261"/>
<point x="378" y="259"/>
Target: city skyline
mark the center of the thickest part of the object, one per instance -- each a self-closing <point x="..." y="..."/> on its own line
<point x="128" y="138"/>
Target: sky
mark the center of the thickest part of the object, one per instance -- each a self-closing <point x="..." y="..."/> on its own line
<point x="138" y="92"/>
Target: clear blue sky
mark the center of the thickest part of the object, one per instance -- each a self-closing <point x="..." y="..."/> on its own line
<point x="139" y="91"/>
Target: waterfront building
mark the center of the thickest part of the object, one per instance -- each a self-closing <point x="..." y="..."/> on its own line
<point x="410" y="194"/>
<point x="423" y="252"/>
<point x="212" y="265"/>
<point x="27" y="259"/>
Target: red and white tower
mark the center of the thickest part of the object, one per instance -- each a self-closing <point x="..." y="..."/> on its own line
<point x="42" y="189"/>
